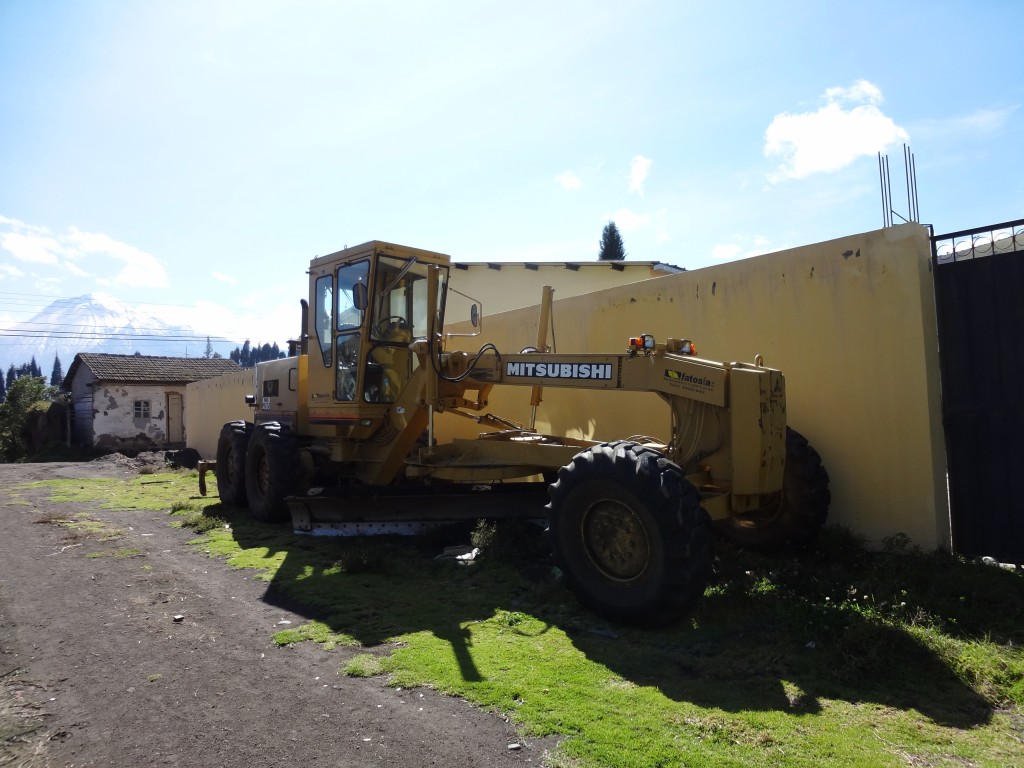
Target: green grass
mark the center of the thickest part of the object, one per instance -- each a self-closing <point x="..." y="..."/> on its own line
<point x="839" y="657"/>
<point x="158" y="490"/>
<point x="123" y="552"/>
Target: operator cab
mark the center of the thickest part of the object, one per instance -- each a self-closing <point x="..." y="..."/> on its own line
<point x="368" y="304"/>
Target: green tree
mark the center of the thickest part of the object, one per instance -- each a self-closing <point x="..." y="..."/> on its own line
<point x="3" y="389"/>
<point x="249" y="355"/>
<point x="209" y="349"/>
<point x="57" y="376"/>
<point x="612" y="247"/>
<point x="22" y="396"/>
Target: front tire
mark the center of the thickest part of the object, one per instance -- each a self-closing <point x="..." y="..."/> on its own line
<point x="800" y="512"/>
<point x="629" y="534"/>
<point x="273" y="471"/>
<point x="232" y="446"/>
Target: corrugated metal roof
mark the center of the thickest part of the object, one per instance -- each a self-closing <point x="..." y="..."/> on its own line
<point x="141" y="369"/>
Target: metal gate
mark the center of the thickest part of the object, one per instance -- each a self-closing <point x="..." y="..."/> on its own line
<point x="979" y="290"/>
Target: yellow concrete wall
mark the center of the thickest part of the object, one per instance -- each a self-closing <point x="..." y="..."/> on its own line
<point x="850" y="322"/>
<point x="214" y="402"/>
<point x="506" y="286"/>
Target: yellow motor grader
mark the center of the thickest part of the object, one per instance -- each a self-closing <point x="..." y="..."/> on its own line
<point x="342" y="440"/>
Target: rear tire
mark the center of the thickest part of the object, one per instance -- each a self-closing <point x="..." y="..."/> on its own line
<point x="629" y="534"/>
<point x="232" y="446"/>
<point x="800" y="513"/>
<point x="273" y="471"/>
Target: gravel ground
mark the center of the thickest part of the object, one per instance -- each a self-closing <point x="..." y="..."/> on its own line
<point x="95" y="671"/>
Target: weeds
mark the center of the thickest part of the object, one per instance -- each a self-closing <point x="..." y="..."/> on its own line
<point x="840" y="655"/>
<point x="365" y="665"/>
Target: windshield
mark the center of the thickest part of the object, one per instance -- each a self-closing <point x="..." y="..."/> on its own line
<point x="350" y="316"/>
<point x="402" y="304"/>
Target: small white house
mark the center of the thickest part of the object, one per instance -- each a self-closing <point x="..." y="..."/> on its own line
<point x="134" y="402"/>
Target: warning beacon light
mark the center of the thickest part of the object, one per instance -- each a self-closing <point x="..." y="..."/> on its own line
<point x="644" y="342"/>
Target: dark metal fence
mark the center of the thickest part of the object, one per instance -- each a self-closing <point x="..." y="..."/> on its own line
<point x="979" y="242"/>
<point x="979" y="290"/>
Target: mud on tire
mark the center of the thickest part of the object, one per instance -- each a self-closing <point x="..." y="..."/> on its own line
<point x="232" y="446"/>
<point x="629" y="534"/>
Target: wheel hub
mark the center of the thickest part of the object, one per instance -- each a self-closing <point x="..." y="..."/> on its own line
<point x="615" y="540"/>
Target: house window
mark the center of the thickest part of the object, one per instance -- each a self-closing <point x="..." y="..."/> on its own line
<point x="142" y="409"/>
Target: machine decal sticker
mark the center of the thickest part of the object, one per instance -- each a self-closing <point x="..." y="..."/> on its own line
<point x="601" y="371"/>
<point x="686" y="378"/>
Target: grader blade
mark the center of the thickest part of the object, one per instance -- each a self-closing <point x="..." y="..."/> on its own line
<point x="369" y="511"/>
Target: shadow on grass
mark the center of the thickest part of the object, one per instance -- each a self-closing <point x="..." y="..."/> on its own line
<point x="761" y="662"/>
<point x="755" y="643"/>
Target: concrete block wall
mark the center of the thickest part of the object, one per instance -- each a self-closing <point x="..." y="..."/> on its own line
<point x="850" y="322"/>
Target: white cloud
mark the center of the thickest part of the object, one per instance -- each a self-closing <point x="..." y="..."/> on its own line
<point x="10" y="270"/>
<point x="568" y="180"/>
<point x="223" y="278"/>
<point x="661" y="230"/>
<point x="141" y="269"/>
<point x="626" y="220"/>
<point x="980" y="123"/>
<point x="34" y="249"/>
<point x="861" y="91"/>
<point x="639" y="169"/>
<point x="833" y="137"/>
<point x="740" y="247"/>
<point x="37" y="245"/>
<point x="75" y="270"/>
<point x="268" y="323"/>
<point x="578" y="249"/>
<point x="21" y="226"/>
<point x="726" y="251"/>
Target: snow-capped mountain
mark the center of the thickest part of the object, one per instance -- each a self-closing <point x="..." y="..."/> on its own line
<point x="93" y="323"/>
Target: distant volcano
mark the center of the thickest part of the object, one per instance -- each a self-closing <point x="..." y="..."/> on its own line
<point x="93" y="323"/>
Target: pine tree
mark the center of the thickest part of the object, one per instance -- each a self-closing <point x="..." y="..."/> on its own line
<point x="248" y="355"/>
<point x="612" y="247"/>
<point x="11" y="375"/>
<point x="209" y="349"/>
<point x="57" y="376"/>
<point x="3" y="389"/>
<point x="34" y="369"/>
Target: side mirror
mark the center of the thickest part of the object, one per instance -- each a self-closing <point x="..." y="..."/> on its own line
<point x="360" y="297"/>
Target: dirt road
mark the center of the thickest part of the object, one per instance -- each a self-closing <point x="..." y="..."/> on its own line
<point x="96" y="671"/>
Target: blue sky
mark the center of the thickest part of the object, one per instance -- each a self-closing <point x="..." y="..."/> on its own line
<point x="195" y="154"/>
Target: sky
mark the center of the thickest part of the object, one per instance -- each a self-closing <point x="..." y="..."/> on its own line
<point x="190" y="157"/>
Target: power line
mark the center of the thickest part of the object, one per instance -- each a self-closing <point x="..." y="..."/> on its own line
<point x="32" y="327"/>
<point x="85" y="335"/>
<point x="46" y="300"/>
